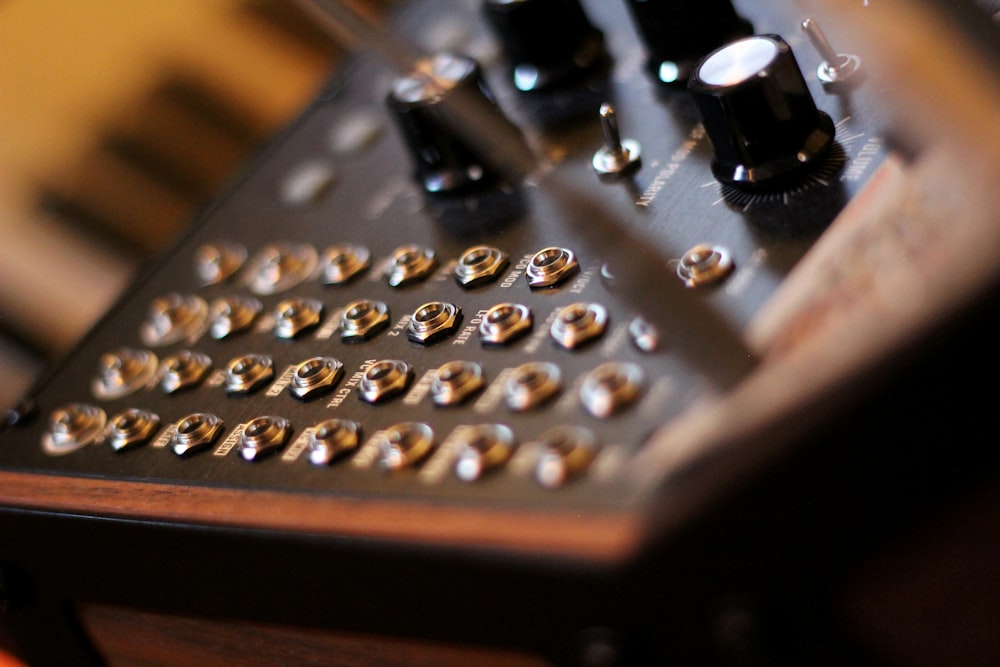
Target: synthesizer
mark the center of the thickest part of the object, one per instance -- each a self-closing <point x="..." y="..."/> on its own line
<point x="584" y="333"/>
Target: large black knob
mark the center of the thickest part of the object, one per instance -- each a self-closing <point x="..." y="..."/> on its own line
<point x="546" y="42"/>
<point x="759" y="115"/>
<point x="457" y="135"/>
<point x="679" y="33"/>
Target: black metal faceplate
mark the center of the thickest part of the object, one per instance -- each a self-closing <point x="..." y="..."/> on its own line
<point x="628" y="236"/>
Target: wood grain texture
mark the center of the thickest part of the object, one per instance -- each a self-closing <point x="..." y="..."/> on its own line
<point x="131" y="638"/>
<point x="586" y="536"/>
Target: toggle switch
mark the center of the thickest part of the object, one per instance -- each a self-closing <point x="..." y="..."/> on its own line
<point x="839" y="72"/>
<point x="617" y="157"/>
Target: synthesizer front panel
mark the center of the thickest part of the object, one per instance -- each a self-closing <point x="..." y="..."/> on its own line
<point x="534" y="331"/>
<point x="342" y="181"/>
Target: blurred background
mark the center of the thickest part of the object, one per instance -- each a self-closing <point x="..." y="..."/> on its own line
<point x="118" y="120"/>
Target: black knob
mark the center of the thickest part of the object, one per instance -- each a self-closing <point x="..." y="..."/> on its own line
<point x="546" y="42"/>
<point x="458" y="136"/>
<point x="759" y="115"/>
<point x="679" y="33"/>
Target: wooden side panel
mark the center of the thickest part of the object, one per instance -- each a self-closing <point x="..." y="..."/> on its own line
<point x="140" y="639"/>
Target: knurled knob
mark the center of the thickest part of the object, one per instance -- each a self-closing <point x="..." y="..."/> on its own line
<point x="679" y="33"/>
<point x="759" y="115"/>
<point x="546" y="42"/>
<point x="457" y="135"/>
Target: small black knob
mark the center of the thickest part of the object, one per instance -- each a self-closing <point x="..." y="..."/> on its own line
<point x="546" y="42"/>
<point x="759" y="115"/>
<point x="679" y="33"/>
<point x="458" y="136"/>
